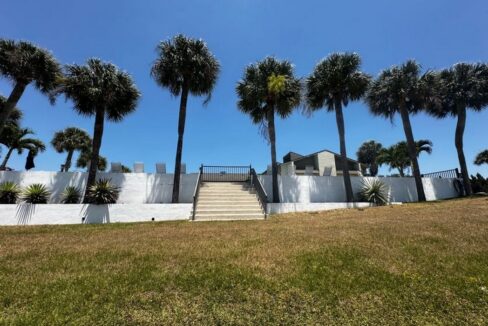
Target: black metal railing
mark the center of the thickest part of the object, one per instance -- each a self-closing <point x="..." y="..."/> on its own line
<point x="446" y="174"/>
<point x="215" y="173"/>
<point x="262" y="196"/>
<point x="196" y="192"/>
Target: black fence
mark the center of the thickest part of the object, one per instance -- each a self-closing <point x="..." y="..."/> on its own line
<point x="262" y="196"/>
<point x="446" y="174"/>
<point x="214" y="173"/>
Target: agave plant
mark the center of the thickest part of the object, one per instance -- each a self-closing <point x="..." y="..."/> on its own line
<point x="103" y="192"/>
<point x="71" y="195"/>
<point x="374" y="191"/>
<point x="9" y="192"/>
<point x="36" y="193"/>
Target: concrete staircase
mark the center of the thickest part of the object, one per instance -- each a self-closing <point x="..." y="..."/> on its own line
<point x="227" y="201"/>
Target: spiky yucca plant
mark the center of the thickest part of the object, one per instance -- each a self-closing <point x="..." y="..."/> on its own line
<point x="374" y="191"/>
<point x="36" y="193"/>
<point x="9" y="192"/>
<point x="103" y="192"/>
<point x="71" y="195"/>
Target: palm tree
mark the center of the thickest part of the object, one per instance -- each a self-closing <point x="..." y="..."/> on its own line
<point x="463" y="86"/>
<point x="481" y="158"/>
<point x="269" y="87"/>
<point x="368" y="153"/>
<point x="334" y="83"/>
<point x="70" y="140"/>
<point x="184" y="66"/>
<point x="397" y="157"/>
<point x="401" y="89"/>
<point x="102" y="90"/>
<point x="24" y="63"/>
<point x="13" y="121"/>
<point x="84" y="159"/>
<point x="17" y="141"/>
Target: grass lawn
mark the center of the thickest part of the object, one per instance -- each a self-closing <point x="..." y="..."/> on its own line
<point x="411" y="264"/>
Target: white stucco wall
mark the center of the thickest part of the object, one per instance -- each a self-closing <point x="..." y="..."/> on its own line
<point x="136" y="188"/>
<point x="27" y="214"/>
<point x="320" y="189"/>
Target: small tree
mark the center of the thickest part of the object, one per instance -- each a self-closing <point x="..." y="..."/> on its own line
<point x="368" y="153"/>
<point x="70" y="140"/>
<point x="17" y="141"/>
<point x="481" y="158"/>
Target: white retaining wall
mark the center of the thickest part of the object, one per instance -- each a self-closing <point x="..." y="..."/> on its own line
<point x="27" y="214"/>
<point x="315" y="189"/>
<point x="136" y="188"/>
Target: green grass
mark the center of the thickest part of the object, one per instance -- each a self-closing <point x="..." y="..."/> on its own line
<point x="403" y="265"/>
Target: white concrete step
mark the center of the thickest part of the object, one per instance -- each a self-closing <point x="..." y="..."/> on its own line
<point x="228" y="211"/>
<point x="227" y="216"/>
<point x="229" y="205"/>
<point x="225" y="192"/>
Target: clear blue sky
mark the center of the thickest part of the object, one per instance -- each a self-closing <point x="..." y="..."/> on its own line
<point x="437" y="33"/>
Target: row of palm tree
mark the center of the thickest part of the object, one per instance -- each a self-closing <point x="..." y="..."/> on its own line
<point x="373" y="155"/>
<point x="186" y="67"/>
<point x="337" y="80"/>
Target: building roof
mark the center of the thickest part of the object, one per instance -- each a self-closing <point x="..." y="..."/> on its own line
<point x="291" y="154"/>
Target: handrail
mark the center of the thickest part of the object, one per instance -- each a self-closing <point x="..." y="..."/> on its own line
<point x="262" y="196"/>
<point x="452" y="173"/>
<point x="195" y="193"/>
<point x="222" y="173"/>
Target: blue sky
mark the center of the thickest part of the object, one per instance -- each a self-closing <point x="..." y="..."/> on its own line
<point x="437" y="33"/>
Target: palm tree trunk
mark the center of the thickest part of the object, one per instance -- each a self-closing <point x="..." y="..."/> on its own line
<point x="373" y="169"/>
<point x="10" y="104"/>
<point x="412" y="152"/>
<point x="179" y="146"/>
<point x="344" y="162"/>
<point x="460" y="126"/>
<point x="5" y="160"/>
<point x="67" y="163"/>
<point x="401" y="172"/>
<point x="274" y="165"/>
<point x="96" y="144"/>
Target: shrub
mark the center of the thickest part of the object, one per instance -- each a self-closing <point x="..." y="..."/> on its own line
<point x="479" y="184"/>
<point x="374" y="191"/>
<point x="9" y="192"/>
<point x="103" y="192"/>
<point x="71" y="195"/>
<point x="36" y="193"/>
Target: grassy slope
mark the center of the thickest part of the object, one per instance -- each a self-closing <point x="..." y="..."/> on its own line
<point x="410" y="264"/>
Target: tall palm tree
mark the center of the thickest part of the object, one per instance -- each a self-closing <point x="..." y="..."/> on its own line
<point x="336" y="81"/>
<point x="102" y="90"/>
<point x="269" y="87"/>
<point x="481" y="158"/>
<point x="83" y="161"/>
<point x="70" y="140"/>
<point x="461" y="87"/>
<point x="184" y="66"/>
<point x="368" y="153"/>
<point x="24" y="63"/>
<point x="401" y="89"/>
<point x="17" y="141"/>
